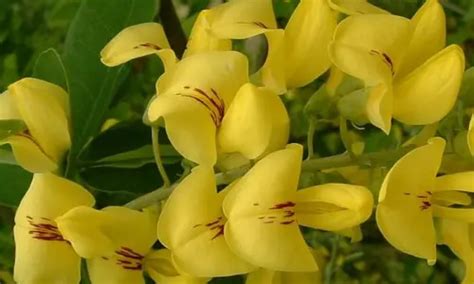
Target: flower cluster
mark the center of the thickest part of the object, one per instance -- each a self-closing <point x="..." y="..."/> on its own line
<point x="220" y="117"/>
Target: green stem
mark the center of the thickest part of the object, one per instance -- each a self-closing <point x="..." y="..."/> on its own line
<point x="330" y="267"/>
<point x="151" y="198"/>
<point x="344" y="160"/>
<point x="156" y="153"/>
<point x="310" y="139"/>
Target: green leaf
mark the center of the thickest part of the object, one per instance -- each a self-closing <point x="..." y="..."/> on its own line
<point x="15" y="182"/>
<point x="11" y="127"/>
<point x="92" y="85"/>
<point x="466" y="94"/>
<point x="49" y="67"/>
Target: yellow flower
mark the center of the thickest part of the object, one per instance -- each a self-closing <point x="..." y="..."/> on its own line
<point x="264" y="276"/>
<point x="422" y="77"/>
<point x="44" y="109"/>
<point x="264" y="211"/>
<point x="114" y="240"/>
<point x="459" y="237"/>
<point x="43" y="255"/>
<point x="354" y="7"/>
<point x="411" y="195"/>
<point x="192" y="225"/>
<point x="470" y="135"/>
<point x="207" y="95"/>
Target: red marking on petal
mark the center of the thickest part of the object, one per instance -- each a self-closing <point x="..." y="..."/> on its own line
<point x="148" y="45"/>
<point x="283" y="205"/>
<point x="287" y="222"/>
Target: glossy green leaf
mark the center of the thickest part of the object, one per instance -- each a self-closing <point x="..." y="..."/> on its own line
<point x="92" y="85"/>
<point x="50" y="67"/>
<point x="14" y="183"/>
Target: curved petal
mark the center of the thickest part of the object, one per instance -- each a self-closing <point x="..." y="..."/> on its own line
<point x="29" y="155"/>
<point x="429" y="36"/>
<point x="272" y="73"/>
<point x="239" y="19"/>
<point x="8" y="108"/>
<point x="368" y="46"/>
<point x="138" y="41"/>
<point x="333" y="207"/>
<point x="189" y="125"/>
<point x="42" y="106"/>
<point x="306" y="49"/>
<point x="405" y="201"/>
<point x="202" y="39"/>
<point x="218" y="72"/>
<point x="353" y="7"/>
<point x="431" y="89"/>
<point x="459" y="237"/>
<point x="159" y="265"/>
<point x="96" y="233"/>
<point x="191" y="225"/>
<point x="256" y="123"/>
<point x="42" y="254"/>
<point x="470" y="135"/>
<point x="108" y="271"/>
<point x="262" y="203"/>
<point x="459" y="181"/>
<point x="379" y="107"/>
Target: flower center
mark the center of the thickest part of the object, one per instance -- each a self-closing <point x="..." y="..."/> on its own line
<point x="209" y="99"/>
<point x="128" y="259"/>
<point x="280" y="213"/>
<point x="424" y="199"/>
<point x="216" y="226"/>
<point x="45" y="230"/>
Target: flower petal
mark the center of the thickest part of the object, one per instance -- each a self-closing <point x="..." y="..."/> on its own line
<point x="43" y="108"/>
<point x="470" y="135"/>
<point x="29" y="155"/>
<point x="138" y="41"/>
<point x="42" y="255"/>
<point x="256" y="123"/>
<point x="353" y="7"/>
<point x="429" y="36"/>
<point x="459" y="181"/>
<point x="159" y="266"/>
<point x="189" y="126"/>
<point x="239" y="19"/>
<point x="191" y="225"/>
<point x="202" y="39"/>
<point x="431" y="89"/>
<point x="220" y="72"/>
<point x="261" y="203"/>
<point x="333" y="207"/>
<point x="96" y="233"/>
<point x="368" y="46"/>
<point x="379" y="107"/>
<point x="306" y="54"/>
<point x="404" y="201"/>
<point x="8" y="108"/>
<point x="459" y="237"/>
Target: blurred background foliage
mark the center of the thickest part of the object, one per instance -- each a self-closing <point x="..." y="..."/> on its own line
<point x="117" y="165"/>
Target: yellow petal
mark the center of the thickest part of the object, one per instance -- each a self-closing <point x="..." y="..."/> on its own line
<point x="138" y="41"/>
<point x="352" y="7"/>
<point x="428" y="93"/>
<point x="272" y="73"/>
<point x="108" y="271"/>
<point x="96" y="233"/>
<point x="256" y="123"/>
<point x="333" y="207"/>
<point x="29" y="155"/>
<point x="262" y="203"/>
<point x="8" y="108"/>
<point x="459" y="181"/>
<point x="189" y="125"/>
<point x="42" y="254"/>
<point x="429" y="36"/>
<point x="43" y="108"/>
<point x="219" y="73"/>
<point x="368" y="46"/>
<point x="202" y="39"/>
<point x="306" y="49"/>
<point x="191" y="225"/>
<point x="470" y="135"/>
<point x="159" y="266"/>
<point x="404" y="201"/>
<point x="459" y="237"/>
<point x="448" y="198"/>
<point x="239" y="19"/>
<point x="379" y="107"/>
